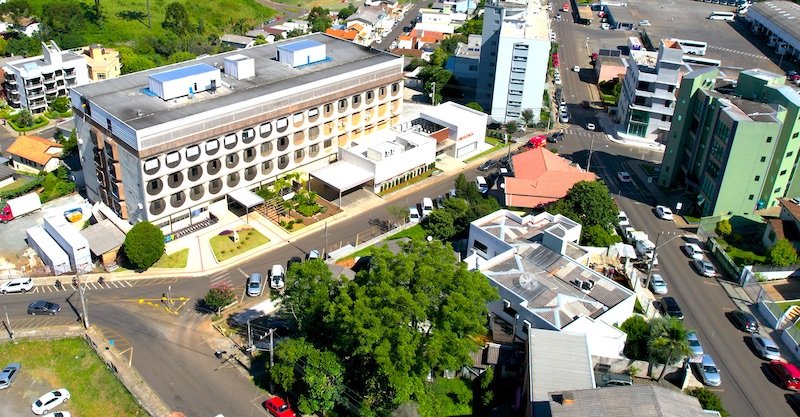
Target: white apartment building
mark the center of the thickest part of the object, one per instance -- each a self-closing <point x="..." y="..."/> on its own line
<point x="647" y="100"/>
<point x="164" y="145"/>
<point x="32" y="83"/>
<point x="514" y="54"/>
<point x="537" y="266"/>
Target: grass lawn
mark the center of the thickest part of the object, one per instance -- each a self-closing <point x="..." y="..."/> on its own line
<point x="744" y="253"/>
<point x="224" y="247"/>
<point x="691" y="219"/>
<point x="16" y="184"/>
<point x="497" y="146"/>
<point x="413" y="232"/>
<point x="309" y="4"/>
<point x="72" y="364"/>
<point x="176" y="260"/>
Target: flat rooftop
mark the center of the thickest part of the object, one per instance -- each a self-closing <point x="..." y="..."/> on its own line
<point x="126" y="99"/>
<point x="558" y="361"/>
<point x="783" y="14"/>
<point x="533" y="23"/>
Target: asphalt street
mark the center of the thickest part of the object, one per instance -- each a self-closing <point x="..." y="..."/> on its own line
<point x="397" y="30"/>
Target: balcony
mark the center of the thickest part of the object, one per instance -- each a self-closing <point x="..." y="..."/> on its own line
<point x="70" y="74"/>
<point x="36" y="93"/>
<point x="11" y="80"/>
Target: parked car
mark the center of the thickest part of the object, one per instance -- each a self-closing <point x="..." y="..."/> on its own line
<point x="482" y="185"/>
<point x="607" y="379"/>
<point x="709" y="373"/>
<point x="744" y="321"/>
<point x="590" y="126"/>
<point x="563" y="117"/>
<point x="658" y="285"/>
<point x="670" y="307"/>
<point x="505" y="161"/>
<point x="278" y="407"/>
<point x="692" y="250"/>
<point x="644" y="23"/>
<point x="556" y="137"/>
<point x="276" y="277"/>
<point x="413" y="214"/>
<point x="427" y="207"/>
<point x="50" y="401"/>
<point x="59" y="414"/>
<point x="576" y="68"/>
<point x="312" y="254"/>
<point x="786" y="374"/>
<point x="8" y="374"/>
<point x="694" y="345"/>
<point x="663" y="213"/>
<point x="293" y="260"/>
<point x="624" y="176"/>
<point x="704" y="268"/>
<point x="43" y="307"/>
<point x="622" y="220"/>
<point x="765" y="347"/>
<point x="16" y="285"/>
<point x="254" y="285"/>
<point x="489" y="164"/>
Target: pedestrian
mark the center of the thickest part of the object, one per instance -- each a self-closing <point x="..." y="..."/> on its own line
<point x="164" y="298"/>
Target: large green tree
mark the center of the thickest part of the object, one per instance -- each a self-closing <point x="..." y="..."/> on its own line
<point x="315" y="374"/>
<point x="782" y="253"/>
<point x="309" y="287"/>
<point x="176" y="19"/>
<point x="668" y="341"/>
<point x="637" y="342"/>
<point x="61" y="18"/>
<point x="320" y="19"/>
<point x="144" y="245"/>
<point x="588" y="203"/>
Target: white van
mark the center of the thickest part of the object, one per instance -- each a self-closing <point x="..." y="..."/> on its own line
<point x="276" y="274"/>
<point x="427" y="207"/>
<point x="413" y="215"/>
<point x="481" y="183"/>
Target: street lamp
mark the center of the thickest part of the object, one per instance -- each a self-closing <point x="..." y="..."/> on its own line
<point x="655" y="250"/>
<point x="591" y="149"/>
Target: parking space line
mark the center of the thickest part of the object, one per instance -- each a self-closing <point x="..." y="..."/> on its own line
<point x="129" y="284"/>
<point x="243" y="273"/>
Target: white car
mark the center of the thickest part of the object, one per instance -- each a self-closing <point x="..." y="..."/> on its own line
<point x="644" y="23"/>
<point x="413" y="214"/>
<point x="663" y="213"/>
<point x="622" y="220"/>
<point x="658" y="285"/>
<point x="765" y="347"/>
<point x="576" y="68"/>
<point x="563" y="117"/>
<point x="59" y="414"/>
<point x="590" y="126"/>
<point x="17" y="285"/>
<point x="50" y="401"/>
<point x="692" y="250"/>
<point x="624" y="176"/>
<point x="276" y="280"/>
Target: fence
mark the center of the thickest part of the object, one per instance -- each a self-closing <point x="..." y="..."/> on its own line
<point x="723" y="260"/>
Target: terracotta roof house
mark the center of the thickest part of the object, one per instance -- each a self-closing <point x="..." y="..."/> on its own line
<point x="428" y="34"/>
<point x="346" y="34"/>
<point x="785" y="226"/>
<point x="34" y="154"/>
<point x="541" y="177"/>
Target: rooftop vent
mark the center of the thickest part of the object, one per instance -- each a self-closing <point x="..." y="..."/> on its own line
<point x="301" y="53"/>
<point x="184" y="81"/>
<point x="240" y="67"/>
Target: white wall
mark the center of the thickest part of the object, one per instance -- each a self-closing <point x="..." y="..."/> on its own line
<point x="534" y="77"/>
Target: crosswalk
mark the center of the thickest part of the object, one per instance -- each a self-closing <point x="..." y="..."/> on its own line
<point x="68" y="286"/>
<point x="733" y="51"/>
<point x="578" y="131"/>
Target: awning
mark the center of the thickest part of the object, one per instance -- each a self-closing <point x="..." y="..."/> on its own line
<point x="246" y="198"/>
<point x="343" y="176"/>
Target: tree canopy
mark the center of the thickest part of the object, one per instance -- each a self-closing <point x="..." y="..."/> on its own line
<point x="144" y="245"/>
<point x="782" y="253"/>
<point x="590" y="204"/>
<point x="668" y="341"/>
<point x="401" y="318"/>
<point x="176" y="19"/>
<point x="320" y="19"/>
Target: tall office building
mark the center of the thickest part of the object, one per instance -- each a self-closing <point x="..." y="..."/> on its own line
<point x="513" y="58"/>
<point x="164" y="144"/>
<point x="734" y="144"/>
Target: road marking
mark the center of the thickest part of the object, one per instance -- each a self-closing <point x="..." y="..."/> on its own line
<point x="218" y="276"/>
<point x="128" y="283"/>
<point x="243" y="273"/>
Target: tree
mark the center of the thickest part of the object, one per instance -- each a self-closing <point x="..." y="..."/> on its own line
<point x="440" y="224"/>
<point x="668" y="341"/>
<point x="17" y="9"/>
<point x="133" y="62"/>
<point x="220" y="295"/>
<point x="723" y="228"/>
<point x="596" y="235"/>
<point x="320" y="381"/>
<point x="176" y="19"/>
<point x="467" y="189"/>
<point x="475" y="106"/>
<point x="638" y="331"/>
<point x="588" y="203"/>
<point x="347" y="11"/>
<point x="309" y="287"/>
<point x="62" y="18"/>
<point x="472" y="26"/>
<point x="24" y="118"/>
<point x="144" y="245"/>
<point x="511" y="127"/>
<point x="528" y="117"/>
<point x="69" y="145"/>
<point x="487" y="394"/>
<point x="260" y="40"/>
<point x="782" y="253"/>
<point x="709" y="400"/>
<point x="61" y="104"/>
<point x="398" y="213"/>
<point x="320" y="19"/>
<point x="180" y="56"/>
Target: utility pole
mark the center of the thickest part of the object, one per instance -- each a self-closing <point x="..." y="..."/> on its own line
<point x="325" y="251"/>
<point x="271" y="348"/>
<point x="82" y="291"/>
<point x="653" y="258"/>
<point x="433" y="93"/>
<point x="8" y="323"/>
<point x="591" y="149"/>
<point x="169" y="297"/>
<point x="249" y="335"/>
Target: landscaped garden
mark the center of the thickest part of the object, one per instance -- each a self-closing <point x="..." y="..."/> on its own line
<point x="230" y="243"/>
<point x="294" y="204"/>
<point x="175" y="260"/>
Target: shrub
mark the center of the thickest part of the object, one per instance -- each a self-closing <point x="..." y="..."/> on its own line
<point x="220" y="295"/>
<point x="709" y="400"/>
<point x="144" y="245"/>
<point x="723" y="227"/>
<point x="782" y="253"/>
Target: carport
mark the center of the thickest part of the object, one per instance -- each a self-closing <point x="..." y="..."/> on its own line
<point x="247" y="199"/>
<point x="337" y="179"/>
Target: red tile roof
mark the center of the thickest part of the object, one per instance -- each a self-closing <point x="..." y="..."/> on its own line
<point x="438" y="36"/>
<point x="34" y="148"/>
<point x="345" y="34"/>
<point x="541" y="177"/>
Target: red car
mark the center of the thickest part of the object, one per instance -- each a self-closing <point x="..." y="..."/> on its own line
<point x="787" y="374"/>
<point x="278" y="407"/>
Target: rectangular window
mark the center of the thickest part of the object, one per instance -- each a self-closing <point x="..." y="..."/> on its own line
<point x="173" y="158"/>
<point x="795" y="135"/>
<point x="342" y="104"/>
<point x="763" y="159"/>
<point x="356" y="99"/>
<point x="313" y="112"/>
<point x="298" y="117"/>
<point x="783" y="172"/>
<point x="328" y="108"/>
<point x="230" y="140"/>
<point x="751" y="197"/>
<point x="395" y="87"/>
<point x="370" y="95"/>
<point x="328" y="143"/>
<point x="790" y="154"/>
<point x="282" y="123"/>
<point x="758" y="177"/>
<point x="777" y="190"/>
<point x="769" y="139"/>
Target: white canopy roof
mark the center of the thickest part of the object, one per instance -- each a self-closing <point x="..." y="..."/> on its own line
<point x="246" y="197"/>
<point x="343" y="176"/>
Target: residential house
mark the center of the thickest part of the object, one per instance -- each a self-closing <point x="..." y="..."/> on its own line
<point x="7" y="174"/>
<point x="348" y="34"/>
<point x="785" y="226"/>
<point x="734" y="144"/>
<point x="626" y="401"/>
<point x="34" y="154"/>
<point x="446" y="19"/>
<point x="237" y="41"/>
<point x="268" y="35"/>
<point x="104" y="63"/>
<point x="406" y="42"/>
<point x="458" y="6"/>
<point x="539" y="269"/>
<point x="541" y="177"/>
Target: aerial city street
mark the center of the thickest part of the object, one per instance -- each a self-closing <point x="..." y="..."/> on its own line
<point x="400" y="208"/>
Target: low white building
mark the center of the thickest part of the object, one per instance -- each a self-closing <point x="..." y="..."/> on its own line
<point x="534" y="262"/>
<point x="466" y="128"/>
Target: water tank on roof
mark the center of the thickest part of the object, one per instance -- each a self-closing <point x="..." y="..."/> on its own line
<point x="240" y="67"/>
<point x="301" y="53"/>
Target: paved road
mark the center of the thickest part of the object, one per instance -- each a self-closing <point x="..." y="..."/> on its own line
<point x="397" y="30"/>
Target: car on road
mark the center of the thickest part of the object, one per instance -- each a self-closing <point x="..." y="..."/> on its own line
<point x="8" y="374"/>
<point x="276" y="277"/>
<point x="644" y="23"/>
<point x="556" y="137"/>
<point x="692" y="250"/>
<point x="558" y="16"/>
<point x="43" y="307"/>
<point x="709" y="373"/>
<point x="694" y="344"/>
<point x="489" y="164"/>
<point x="16" y="285"/>
<point x="563" y="117"/>
<point x="658" y="285"/>
<point x="427" y="207"/>
<point x="505" y="161"/>
<point x="576" y="68"/>
<point x="669" y="307"/>
<point x="624" y="176"/>
<point x="704" y="268"/>
<point x="50" y="401"/>
<point x="590" y="126"/>
<point x="663" y="213"/>
<point x="622" y="220"/>
<point x="744" y="321"/>
<point x="765" y="347"/>
<point x="413" y="214"/>
<point x="786" y="374"/>
<point x="278" y="407"/>
<point x="312" y="254"/>
<point x="254" y="285"/>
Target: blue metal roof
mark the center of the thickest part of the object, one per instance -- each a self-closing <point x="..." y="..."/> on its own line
<point x="299" y="46"/>
<point x="182" y="72"/>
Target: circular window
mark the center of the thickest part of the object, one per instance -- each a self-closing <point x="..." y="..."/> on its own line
<point x="283" y="143"/>
<point x="151" y="166"/>
<point x="196" y="192"/>
<point x="213" y="166"/>
<point x="175" y="179"/>
<point x="173" y="159"/>
<point x="248" y="135"/>
<point x="177" y="199"/>
<point x="231" y="160"/>
<point x="250" y="173"/>
<point x="230" y="141"/>
<point x="212" y="147"/>
<point x="266" y="167"/>
<point x="192" y="153"/>
<point x="215" y="186"/>
<point x="157" y="207"/>
<point x="249" y="154"/>
<point x="233" y="179"/>
<point x="155" y="186"/>
<point x="195" y="172"/>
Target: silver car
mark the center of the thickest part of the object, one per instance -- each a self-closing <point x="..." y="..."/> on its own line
<point x="8" y="374"/>
<point x="695" y="347"/>
<point x="765" y="347"/>
<point x="254" y="285"/>
<point x="709" y="373"/>
<point x="658" y="285"/>
<point x="704" y="268"/>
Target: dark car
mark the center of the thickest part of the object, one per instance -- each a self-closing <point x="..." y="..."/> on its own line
<point x="43" y="307"/>
<point x="491" y="163"/>
<point x="556" y="137"/>
<point x="505" y="161"/>
<point x="292" y="261"/>
<point x="671" y="308"/>
<point x="744" y="321"/>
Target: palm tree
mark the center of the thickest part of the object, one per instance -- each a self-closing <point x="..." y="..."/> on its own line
<point x="669" y="336"/>
<point x="512" y="127"/>
<point x="527" y="117"/>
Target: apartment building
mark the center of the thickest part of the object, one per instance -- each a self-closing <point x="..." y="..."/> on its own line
<point x="513" y="58"/>
<point x="735" y="145"/>
<point x="103" y="62"/>
<point x="33" y="83"/>
<point x="647" y="101"/>
<point x="163" y="145"/>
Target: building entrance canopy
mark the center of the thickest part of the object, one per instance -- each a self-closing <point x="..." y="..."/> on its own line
<point x="246" y="198"/>
<point x="343" y="176"/>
